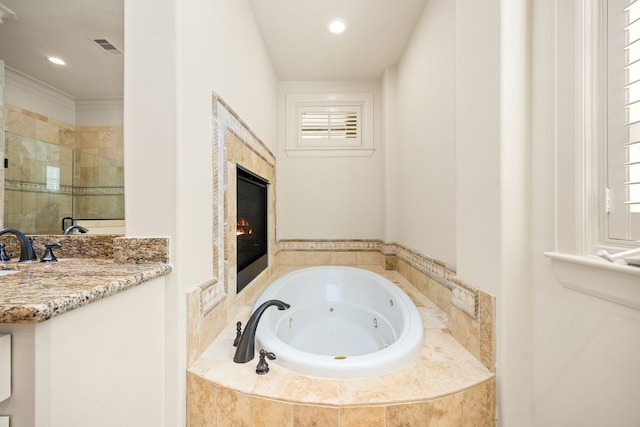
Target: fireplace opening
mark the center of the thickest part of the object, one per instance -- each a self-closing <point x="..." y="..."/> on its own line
<point x="251" y="230"/>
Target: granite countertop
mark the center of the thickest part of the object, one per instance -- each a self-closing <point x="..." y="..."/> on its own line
<point x="41" y="291"/>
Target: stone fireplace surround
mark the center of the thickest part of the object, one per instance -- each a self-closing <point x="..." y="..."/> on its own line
<point x="212" y="305"/>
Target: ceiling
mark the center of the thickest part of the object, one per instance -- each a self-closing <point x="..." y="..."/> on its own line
<point x="66" y="28"/>
<point x="294" y="32"/>
<point x="301" y="48"/>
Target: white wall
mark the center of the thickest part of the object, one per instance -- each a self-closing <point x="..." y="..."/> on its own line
<point x="330" y="197"/>
<point x="492" y="158"/>
<point x="104" y="373"/>
<point x="389" y="155"/>
<point x="99" y="112"/>
<point x="422" y="150"/>
<point x="461" y="152"/>
<point x="585" y="350"/>
<point x="178" y="53"/>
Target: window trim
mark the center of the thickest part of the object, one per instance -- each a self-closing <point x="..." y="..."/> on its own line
<point x="572" y="260"/>
<point x="594" y="276"/>
<point x="591" y="131"/>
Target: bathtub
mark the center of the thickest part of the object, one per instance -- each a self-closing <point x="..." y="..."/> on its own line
<point x="343" y="322"/>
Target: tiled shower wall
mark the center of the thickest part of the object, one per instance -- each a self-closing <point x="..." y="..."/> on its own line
<point x="90" y="186"/>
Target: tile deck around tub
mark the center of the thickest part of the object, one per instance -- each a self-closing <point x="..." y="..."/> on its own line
<point x="443" y="367"/>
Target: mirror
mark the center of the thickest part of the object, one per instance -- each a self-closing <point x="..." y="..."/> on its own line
<point x="62" y="124"/>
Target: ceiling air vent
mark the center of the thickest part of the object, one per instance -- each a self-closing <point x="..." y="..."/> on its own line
<point x="107" y="46"/>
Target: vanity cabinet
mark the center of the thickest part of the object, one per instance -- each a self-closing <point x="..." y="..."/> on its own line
<point x="99" y="365"/>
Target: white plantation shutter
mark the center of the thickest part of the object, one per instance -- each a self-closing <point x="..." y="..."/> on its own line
<point x="329" y="126"/>
<point x="622" y="119"/>
<point x="632" y="145"/>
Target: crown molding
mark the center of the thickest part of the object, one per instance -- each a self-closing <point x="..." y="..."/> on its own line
<point x="40" y="89"/>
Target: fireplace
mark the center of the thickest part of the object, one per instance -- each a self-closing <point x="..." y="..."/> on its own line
<point x="251" y="230"/>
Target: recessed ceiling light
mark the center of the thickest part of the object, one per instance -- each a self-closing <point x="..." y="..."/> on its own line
<point x="56" y="60"/>
<point x="337" y="26"/>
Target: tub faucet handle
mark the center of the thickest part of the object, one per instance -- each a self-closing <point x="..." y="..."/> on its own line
<point x="3" y="254"/>
<point x="263" y="366"/>
<point x="49" y="256"/>
<point x="238" y="334"/>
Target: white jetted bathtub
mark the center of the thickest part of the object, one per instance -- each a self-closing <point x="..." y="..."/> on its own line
<point x="343" y="322"/>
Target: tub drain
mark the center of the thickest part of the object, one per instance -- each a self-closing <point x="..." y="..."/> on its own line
<point x="340" y="357"/>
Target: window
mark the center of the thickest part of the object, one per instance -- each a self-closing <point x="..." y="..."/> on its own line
<point x="632" y="66"/>
<point x="622" y="210"/>
<point x="53" y="178"/>
<point x="329" y="124"/>
<point x="596" y="162"/>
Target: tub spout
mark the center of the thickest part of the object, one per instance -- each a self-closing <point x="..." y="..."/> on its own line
<point x="246" y="346"/>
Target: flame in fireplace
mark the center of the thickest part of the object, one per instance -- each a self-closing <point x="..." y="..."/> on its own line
<point x="243" y="228"/>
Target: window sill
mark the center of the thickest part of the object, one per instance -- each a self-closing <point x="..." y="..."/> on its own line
<point x="612" y="281"/>
<point x="330" y="152"/>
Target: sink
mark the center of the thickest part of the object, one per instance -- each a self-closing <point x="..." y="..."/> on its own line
<point x="8" y="272"/>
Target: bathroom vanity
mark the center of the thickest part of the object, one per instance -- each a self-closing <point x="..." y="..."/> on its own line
<point x="86" y="341"/>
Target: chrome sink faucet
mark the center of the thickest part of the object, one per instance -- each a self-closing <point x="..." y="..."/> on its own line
<point x="246" y="346"/>
<point x="26" y="248"/>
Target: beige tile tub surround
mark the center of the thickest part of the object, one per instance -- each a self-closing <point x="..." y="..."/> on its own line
<point x="446" y="384"/>
<point x="214" y="303"/>
<point x="471" y="311"/>
<point x="451" y="382"/>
